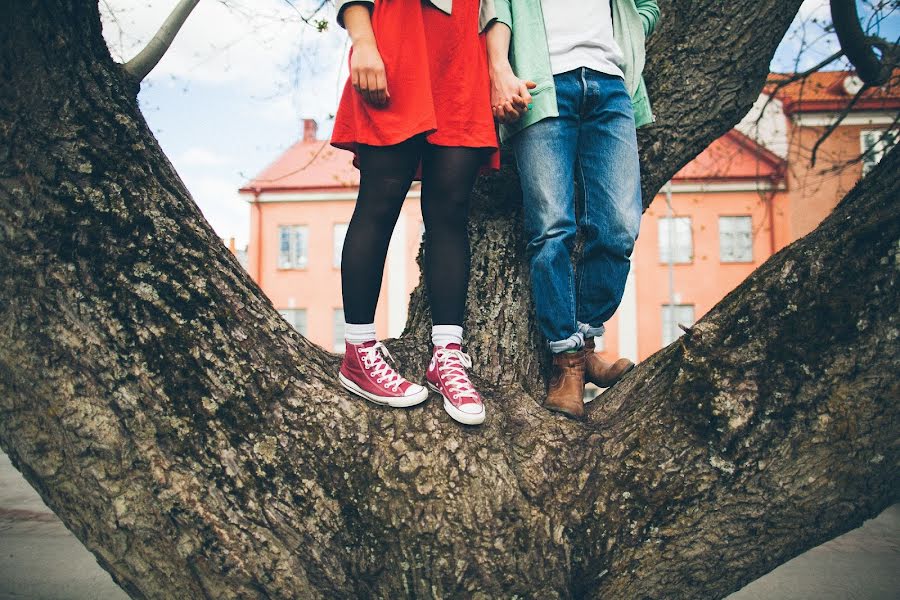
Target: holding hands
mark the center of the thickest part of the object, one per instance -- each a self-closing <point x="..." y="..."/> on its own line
<point x="510" y="97"/>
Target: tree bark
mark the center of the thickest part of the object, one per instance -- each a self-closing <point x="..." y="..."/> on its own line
<point x="202" y="449"/>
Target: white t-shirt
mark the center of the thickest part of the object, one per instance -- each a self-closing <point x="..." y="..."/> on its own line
<point x="580" y="34"/>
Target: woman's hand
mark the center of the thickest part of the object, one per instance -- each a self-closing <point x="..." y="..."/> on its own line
<point x="509" y="94"/>
<point x="367" y="73"/>
<point x="366" y="67"/>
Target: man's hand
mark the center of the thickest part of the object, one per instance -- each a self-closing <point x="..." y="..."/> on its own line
<point x="509" y="94"/>
<point x="367" y="73"/>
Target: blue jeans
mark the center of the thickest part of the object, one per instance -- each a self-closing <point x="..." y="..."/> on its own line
<point x="592" y="144"/>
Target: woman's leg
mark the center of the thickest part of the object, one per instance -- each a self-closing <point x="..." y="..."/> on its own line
<point x="448" y="174"/>
<point x="385" y="176"/>
<point x="386" y="173"/>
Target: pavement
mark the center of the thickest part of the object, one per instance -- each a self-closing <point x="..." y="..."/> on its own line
<point x="41" y="560"/>
<point x="39" y="557"/>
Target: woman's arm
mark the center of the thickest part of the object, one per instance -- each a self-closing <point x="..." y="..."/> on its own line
<point x="366" y="67"/>
<point x="509" y="94"/>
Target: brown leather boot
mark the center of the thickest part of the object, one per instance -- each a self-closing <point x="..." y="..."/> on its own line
<point x="601" y="373"/>
<point x="566" y="391"/>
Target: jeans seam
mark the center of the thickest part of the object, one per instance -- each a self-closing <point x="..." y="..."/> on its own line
<point x="573" y="272"/>
<point x="584" y="92"/>
<point x="587" y="222"/>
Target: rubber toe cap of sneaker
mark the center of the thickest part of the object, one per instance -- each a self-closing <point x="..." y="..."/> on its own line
<point x="414" y="390"/>
<point x="471" y="408"/>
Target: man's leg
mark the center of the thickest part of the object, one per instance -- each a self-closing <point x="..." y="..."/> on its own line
<point x="545" y="154"/>
<point x="608" y="173"/>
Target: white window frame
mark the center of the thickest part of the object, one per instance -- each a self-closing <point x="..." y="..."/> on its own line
<point x="338" y="234"/>
<point x="294" y="255"/>
<point x="683" y="248"/>
<point x="298" y="319"/>
<point x="882" y="140"/>
<point x="670" y="329"/>
<point x="735" y="243"/>
<point x="338" y="330"/>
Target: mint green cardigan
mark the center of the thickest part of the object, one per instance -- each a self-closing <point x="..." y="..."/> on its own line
<point x="529" y="55"/>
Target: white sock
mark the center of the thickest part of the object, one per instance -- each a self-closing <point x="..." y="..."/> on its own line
<point x="359" y="334"/>
<point x="441" y="335"/>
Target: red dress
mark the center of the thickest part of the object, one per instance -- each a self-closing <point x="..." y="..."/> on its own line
<point x="437" y="76"/>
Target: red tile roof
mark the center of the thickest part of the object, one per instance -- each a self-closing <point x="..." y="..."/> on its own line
<point x="318" y="167"/>
<point x="314" y="166"/>
<point x="733" y="156"/>
<point x="825" y="91"/>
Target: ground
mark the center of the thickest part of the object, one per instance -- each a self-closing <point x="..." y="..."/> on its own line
<point x="41" y="559"/>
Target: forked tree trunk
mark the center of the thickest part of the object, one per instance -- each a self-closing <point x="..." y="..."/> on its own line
<point x="200" y="448"/>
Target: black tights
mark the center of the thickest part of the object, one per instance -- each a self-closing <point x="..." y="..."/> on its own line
<point x="386" y="172"/>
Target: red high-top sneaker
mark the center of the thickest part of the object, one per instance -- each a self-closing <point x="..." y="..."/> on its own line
<point x="448" y="377"/>
<point x="366" y="373"/>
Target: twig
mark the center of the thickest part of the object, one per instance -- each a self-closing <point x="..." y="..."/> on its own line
<point x="141" y="65"/>
<point x="834" y="125"/>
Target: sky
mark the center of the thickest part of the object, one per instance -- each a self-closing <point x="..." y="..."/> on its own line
<point x="231" y="93"/>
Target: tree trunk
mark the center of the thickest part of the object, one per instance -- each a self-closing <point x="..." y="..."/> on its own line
<point x="200" y="447"/>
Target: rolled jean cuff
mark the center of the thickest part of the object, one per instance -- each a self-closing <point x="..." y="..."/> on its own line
<point x="587" y="331"/>
<point x="573" y="342"/>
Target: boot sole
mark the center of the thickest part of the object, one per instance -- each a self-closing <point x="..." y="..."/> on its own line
<point x="456" y="414"/>
<point x="621" y="377"/>
<point x="393" y="402"/>
<point x="562" y="411"/>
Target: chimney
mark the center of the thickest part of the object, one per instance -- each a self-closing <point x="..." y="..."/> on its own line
<point x="310" y="130"/>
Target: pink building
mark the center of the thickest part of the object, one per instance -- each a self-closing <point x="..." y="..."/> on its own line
<point x="749" y="194"/>
<point x="299" y="210"/>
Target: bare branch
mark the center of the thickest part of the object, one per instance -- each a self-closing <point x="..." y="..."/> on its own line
<point x="840" y="118"/>
<point x="859" y="47"/>
<point x="782" y="82"/>
<point x="319" y="24"/>
<point x="889" y="135"/>
<point x="141" y="65"/>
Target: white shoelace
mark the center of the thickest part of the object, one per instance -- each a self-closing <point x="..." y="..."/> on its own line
<point x="454" y="363"/>
<point x="374" y="358"/>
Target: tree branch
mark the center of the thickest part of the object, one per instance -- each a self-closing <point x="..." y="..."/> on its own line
<point x="858" y="46"/>
<point x="782" y="82"/>
<point x="837" y="121"/>
<point x="141" y="65"/>
<point x="319" y="24"/>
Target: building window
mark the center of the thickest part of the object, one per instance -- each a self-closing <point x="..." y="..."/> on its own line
<point x="340" y="232"/>
<point x="672" y="316"/>
<point x="675" y="240"/>
<point x="339" y="330"/>
<point x="293" y="241"/>
<point x="296" y="317"/>
<point x="736" y="239"/>
<point x="875" y="143"/>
